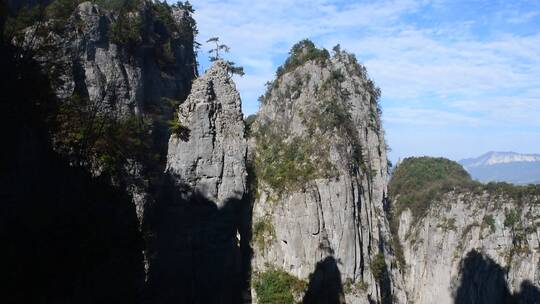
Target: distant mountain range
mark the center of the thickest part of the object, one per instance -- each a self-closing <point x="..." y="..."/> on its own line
<point x="508" y="167"/>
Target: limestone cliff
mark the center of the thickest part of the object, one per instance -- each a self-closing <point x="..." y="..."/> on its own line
<point x="118" y="70"/>
<point x="200" y="241"/>
<point x="123" y="68"/>
<point x="209" y="154"/>
<point x="154" y="60"/>
<point x="468" y="243"/>
<point x="319" y="159"/>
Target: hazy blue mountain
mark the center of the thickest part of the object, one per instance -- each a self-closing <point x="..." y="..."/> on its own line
<point x="504" y="166"/>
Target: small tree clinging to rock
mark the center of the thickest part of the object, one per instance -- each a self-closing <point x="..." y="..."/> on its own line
<point x="214" y="52"/>
<point x="214" y="56"/>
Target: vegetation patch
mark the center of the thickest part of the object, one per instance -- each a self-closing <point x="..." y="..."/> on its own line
<point x="277" y="286"/>
<point x="511" y="219"/>
<point x="378" y="266"/>
<point x="447" y="224"/>
<point x="91" y="135"/>
<point x="418" y="181"/>
<point x="517" y="193"/>
<point x="180" y="131"/>
<point x="396" y="245"/>
<point x="301" y="53"/>
<point x="263" y="232"/>
<point x="61" y="9"/>
<point x="25" y="18"/>
<point x="332" y="117"/>
<point x="126" y="30"/>
<point x="356" y="288"/>
<point x="288" y="165"/>
<point x="489" y="221"/>
<point x="248" y="124"/>
<point x="116" y="5"/>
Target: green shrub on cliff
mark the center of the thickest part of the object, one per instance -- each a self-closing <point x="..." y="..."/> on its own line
<point x="126" y="30"/>
<point x="511" y="218"/>
<point x="490" y="222"/>
<point x="277" y="286"/>
<point x="177" y="129"/>
<point x="263" y="232"/>
<point x="301" y="53"/>
<point x="378" y="266"/>
<point x="90" y="134"/>
<point x="419" y="182"/>
<point x="288" y="165"/>
<point x="284" y="165"/>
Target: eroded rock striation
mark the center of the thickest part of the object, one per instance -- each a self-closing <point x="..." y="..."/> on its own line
<point x="208" y="153"/>
<point x="200" y="238"/>
<point x="319" y="158"/>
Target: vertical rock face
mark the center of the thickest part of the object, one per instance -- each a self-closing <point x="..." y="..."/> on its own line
<point x="467" y="249"/>
<point x="196" y="256"/>
<point x="133" y="78"/>
<point x="122" y="79"/>
<point x="210" y="157"/>
<point x="121" y="68"/>
<point x="320" y="160"/>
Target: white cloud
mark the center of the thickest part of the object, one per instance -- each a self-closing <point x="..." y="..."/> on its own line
<point x="260" y="31"/>
<point x="428" y="117"/>
<point x="523" y="18"/>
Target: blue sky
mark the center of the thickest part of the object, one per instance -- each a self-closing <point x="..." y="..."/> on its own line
<point x="458" y="78"/>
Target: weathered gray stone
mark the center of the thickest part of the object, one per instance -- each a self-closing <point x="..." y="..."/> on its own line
<point x="118" y="80"/>
<point x="436" y="246"/>
<point x="340" y="215"/>
<point x="212" y="160"/>
<point x="200" y="252"/>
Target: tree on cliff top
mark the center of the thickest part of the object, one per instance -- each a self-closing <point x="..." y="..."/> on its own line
<point x="215" y="55"/>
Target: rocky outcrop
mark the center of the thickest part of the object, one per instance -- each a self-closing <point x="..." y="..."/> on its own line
<point x="136" y="74"/>
<point x="319" y="158"/>
<point x="140" y="70"/>
<point x="463" y="241"/>
<point x="200" y="242"/>
<point x="210" y="156"/>
<point x="473" y="248"/>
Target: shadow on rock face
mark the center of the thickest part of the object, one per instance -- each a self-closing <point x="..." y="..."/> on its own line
<point x="482" y="280"/>
<point x="325" y="286"/>
<point x="196" y="256"/>
<point x="528" y="293"/>
<point x="67" y="237"/>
